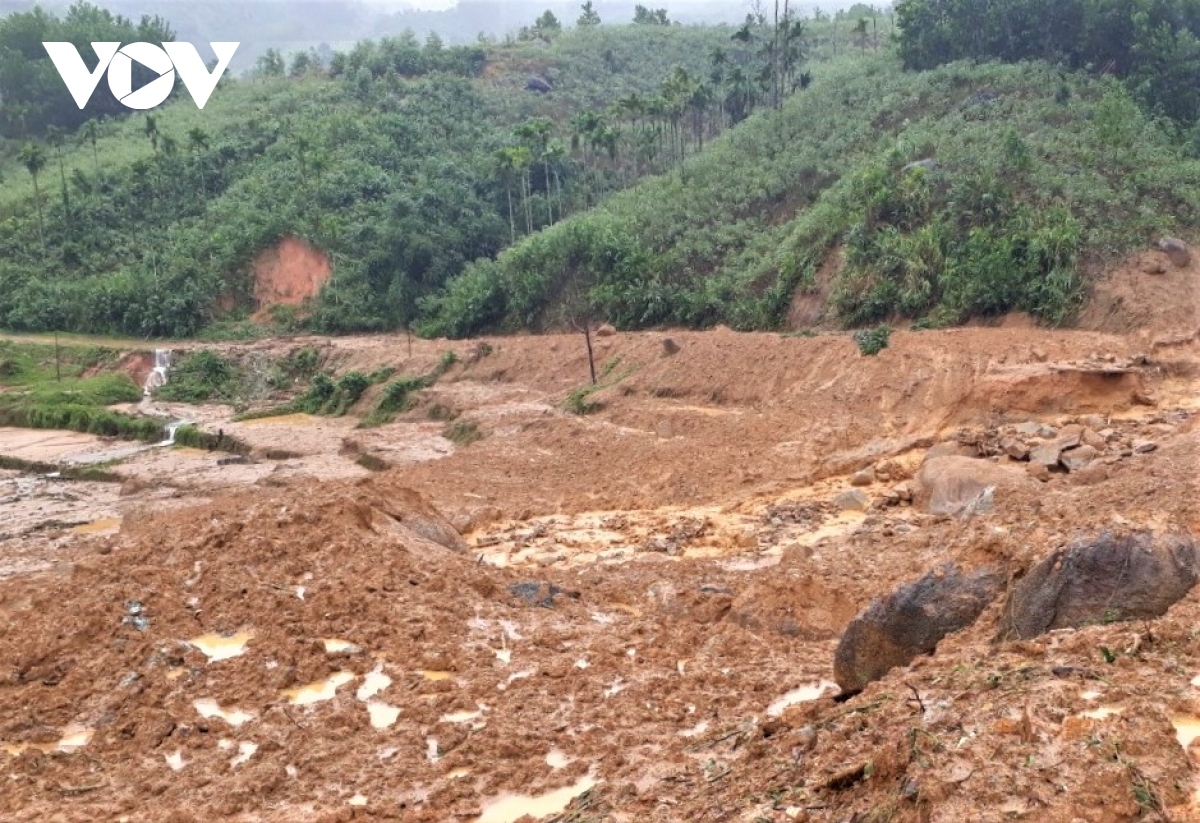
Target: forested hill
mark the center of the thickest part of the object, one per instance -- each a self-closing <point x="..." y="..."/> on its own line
<point x="403" y="159"/>
<point x="642" y="173"/>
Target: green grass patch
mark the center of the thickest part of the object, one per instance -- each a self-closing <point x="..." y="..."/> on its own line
<point x="202" y="376"/>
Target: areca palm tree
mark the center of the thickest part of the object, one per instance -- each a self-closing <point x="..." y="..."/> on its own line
<point x="33" y="158"/>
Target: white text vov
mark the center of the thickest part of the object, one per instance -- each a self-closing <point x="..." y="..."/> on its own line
<point x="165" y="61"/>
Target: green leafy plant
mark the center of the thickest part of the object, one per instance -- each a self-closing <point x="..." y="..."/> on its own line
<point x="874" y="341"/>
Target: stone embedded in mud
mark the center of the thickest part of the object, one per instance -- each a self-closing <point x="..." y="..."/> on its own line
<point x="1078" y="458"/>
<point x="407" y="511"/>
<point x="953" y="485"/>
<point x="852" y="500"/>
<point x="1102" y="579"/>
<point x="1177" y="250"/>
<point x="1014" y="448"/>
<point x="949" y="448"/>
<point x="863" y="478"/>
<point x="911" y="621"/>
<point x="1047" y="454"/>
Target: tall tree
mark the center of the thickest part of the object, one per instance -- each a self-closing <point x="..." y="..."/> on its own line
<point x="589" y="16"/>
<point x="33" y="158"/>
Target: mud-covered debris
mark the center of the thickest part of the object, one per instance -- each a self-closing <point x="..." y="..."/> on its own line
<point x="1102" y="579"/>
<point x="1078" y="458"/>
<point x="951" y="485"/>
<point x="911" y="621"/>
<point x="863" y="478"/>
<point x="539" y="594"/>
<point x="852" y="500"/>
<point x="1177" y="250"/>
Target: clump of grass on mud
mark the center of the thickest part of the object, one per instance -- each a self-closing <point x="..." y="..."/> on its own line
<point x="44" y="388"/>
<point x="462" y="433"/>
<point x="201" y="376"/>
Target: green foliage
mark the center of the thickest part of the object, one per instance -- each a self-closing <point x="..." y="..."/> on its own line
<point x="385" y="157"/>
<point x="199" y="376"/>
<point x="580" y="401"/>
<point x="1012" y="190"/>
<point x="874" y="341"/>
<point x="77" y="404"/>
<point x="396" y="397"/>
<point x="1152" y="45"/>
<point x="34" y="96"/>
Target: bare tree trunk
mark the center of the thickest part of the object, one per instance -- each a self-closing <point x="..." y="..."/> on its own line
<point x="587" y="336"/>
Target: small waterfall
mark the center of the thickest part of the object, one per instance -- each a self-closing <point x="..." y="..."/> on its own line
<point x="173" y="427"/>
<point x="158" y="375"/>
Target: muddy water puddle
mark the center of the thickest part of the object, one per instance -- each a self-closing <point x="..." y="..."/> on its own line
<point x="209" y="708"/>
<point x="382" y="715"/>
<point x="74" y="738"/>
<point x="221" y="646"/>
<point x="319" y="691"/>
<point x="512" y="807"/>
<point x="803" y="694"/>
<point x="1187" y="729"/>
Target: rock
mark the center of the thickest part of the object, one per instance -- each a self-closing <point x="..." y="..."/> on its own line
<point x="927" y="164"/>
<point x="949" y="448"/>
<point x="1102" y="579"/>
<point x="1029" y="429"/>
<point x="1093" y="421"/>
<point x="863" y="478"/>
<point x="953" y="485"/>
<point x="407" y="511"/>
<point x="1068" y="436"/>
<point x="1177" y="250"/>
<point x="670" y="347"/>
<point x="606" y="330"/>
<point x="904" y="492"/>
<point x="1077" y="458"/>
<point x="539" y="85"/>
<point x="1092" y="438"/>
<point x="1046" y="455"/>
<point x="852" y="500"/>
<point x="1014" y="448"/>
<point x="1144" y="446"/>
<point x="912" y="620"/>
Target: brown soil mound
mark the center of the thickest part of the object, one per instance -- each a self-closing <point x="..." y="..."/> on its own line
<point x="1147" y="295"/>
<point x="289" y="274"/>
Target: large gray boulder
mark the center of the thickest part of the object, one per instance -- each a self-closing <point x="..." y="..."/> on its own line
<point x="1102" y="579"/>
<point x="952" y="485"/>
<point x="911" y="621"/>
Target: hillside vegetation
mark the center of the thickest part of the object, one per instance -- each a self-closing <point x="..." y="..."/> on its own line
<point x="403" y="160"/>
<point x="1029" y="169"/>
<point x="642" y="174"/>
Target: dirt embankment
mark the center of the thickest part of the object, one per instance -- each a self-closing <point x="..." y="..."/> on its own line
<point x="291" y="273"/>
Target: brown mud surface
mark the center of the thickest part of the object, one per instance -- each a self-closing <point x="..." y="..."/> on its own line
<point x="289" y="274"/>
<point x="640" y="616"/>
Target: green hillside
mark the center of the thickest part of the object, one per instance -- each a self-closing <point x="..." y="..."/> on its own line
<point x="643" y="174"/>
<point x="403" y="159"/>
<point x="1032" y="169"/>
